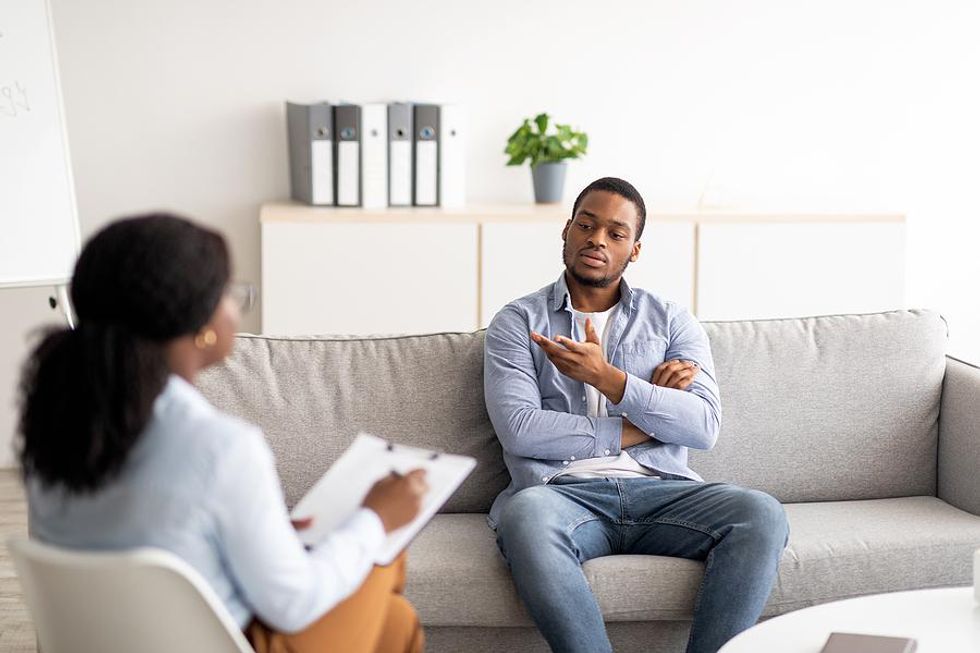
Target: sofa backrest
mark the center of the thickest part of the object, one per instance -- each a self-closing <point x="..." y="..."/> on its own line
<point x="814" y="409"/>
<point x="829" y="408"/>
<point x="312" y="396"/>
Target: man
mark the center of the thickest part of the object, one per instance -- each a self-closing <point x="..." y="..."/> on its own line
<point x="596" y="391"/>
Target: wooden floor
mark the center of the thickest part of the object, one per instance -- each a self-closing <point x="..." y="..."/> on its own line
<point x="16" y="631"/>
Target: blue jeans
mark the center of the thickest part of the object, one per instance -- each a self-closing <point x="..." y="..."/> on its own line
<point x="546" y="533"/>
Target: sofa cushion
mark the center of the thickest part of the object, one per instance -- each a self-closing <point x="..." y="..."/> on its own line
<point x="841" y="549"/>
<point x="837" y="550"/>
<point x="814" y="409"/>
<point x="828" y="408"/>
<point x="311" y="396"/>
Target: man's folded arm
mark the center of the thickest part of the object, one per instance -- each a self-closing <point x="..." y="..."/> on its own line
<point x="691" y="417"/>
<point x="513" y="401"/>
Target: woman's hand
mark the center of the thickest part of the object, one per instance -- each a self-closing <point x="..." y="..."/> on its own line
<point x="397" y="498"/>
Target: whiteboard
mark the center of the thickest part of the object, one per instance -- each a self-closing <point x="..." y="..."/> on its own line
<point x="38" y="218"/>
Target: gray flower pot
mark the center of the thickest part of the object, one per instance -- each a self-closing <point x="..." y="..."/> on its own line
<point x="549" y="182"/>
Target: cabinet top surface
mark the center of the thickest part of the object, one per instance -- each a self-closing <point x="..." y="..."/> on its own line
<point x="275" y="212"/>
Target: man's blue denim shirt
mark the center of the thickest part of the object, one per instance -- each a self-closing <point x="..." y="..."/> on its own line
<point x="540" y="415"/>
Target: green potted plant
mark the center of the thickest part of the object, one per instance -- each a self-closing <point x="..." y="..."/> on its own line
<point x="548" y="148"/>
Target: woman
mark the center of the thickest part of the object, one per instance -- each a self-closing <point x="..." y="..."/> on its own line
<point x="119" y="450"/>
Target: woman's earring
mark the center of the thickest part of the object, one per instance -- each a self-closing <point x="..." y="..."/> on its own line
<point x="205" y="339"/>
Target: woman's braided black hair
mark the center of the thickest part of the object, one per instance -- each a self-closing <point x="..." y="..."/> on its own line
<point x="87" y="394"/>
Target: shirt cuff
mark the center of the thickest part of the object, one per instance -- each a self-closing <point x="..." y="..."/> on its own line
<point x="637" y="396"/>
<point x="369" y="530"/>
<point x="608" y="436"/>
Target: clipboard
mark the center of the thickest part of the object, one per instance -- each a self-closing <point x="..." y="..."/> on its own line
<point x="341" y="490"/>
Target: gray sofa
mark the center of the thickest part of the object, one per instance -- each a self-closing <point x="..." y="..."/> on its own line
<point x="859" y="424"/>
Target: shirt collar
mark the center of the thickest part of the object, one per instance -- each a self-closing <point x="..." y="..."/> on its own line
<point x="178" y="390"/>
<point x="560" y="299"/>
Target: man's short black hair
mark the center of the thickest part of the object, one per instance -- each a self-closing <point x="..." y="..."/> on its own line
<point x="622" y="188"/>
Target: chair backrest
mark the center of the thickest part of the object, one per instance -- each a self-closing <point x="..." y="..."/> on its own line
<point x="144" y="600"/>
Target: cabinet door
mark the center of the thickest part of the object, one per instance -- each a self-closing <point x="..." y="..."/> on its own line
<point x="760" y="270"/>
<point x="519" y="258"/>
<point x="516" y="258"/>
<point x="366" y="279"/>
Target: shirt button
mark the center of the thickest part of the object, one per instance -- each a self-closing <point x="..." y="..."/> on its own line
<point x="583" y="397"/>
<point x="626" y="414"/>
<point x="607" y="452"/>
<point x="544" y="479"/>
<point x="564" y="462"/>
<point x="571" y="457"/>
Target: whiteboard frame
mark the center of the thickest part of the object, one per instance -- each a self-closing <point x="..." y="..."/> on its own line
<point x="60" y="110"/>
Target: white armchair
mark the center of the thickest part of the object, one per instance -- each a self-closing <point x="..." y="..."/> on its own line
<point x="143" y="600"/>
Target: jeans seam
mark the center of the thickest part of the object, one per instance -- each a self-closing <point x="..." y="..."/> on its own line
<point x="709" y="560"/>
<point x="581" y="520"/>
<point x="623" y="508"/>
<point x="713" y="534"/>
<point x="572" y="528"/>
<point x="623" y="504"/>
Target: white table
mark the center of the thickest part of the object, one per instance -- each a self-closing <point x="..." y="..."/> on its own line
<point x="942" y="620"/>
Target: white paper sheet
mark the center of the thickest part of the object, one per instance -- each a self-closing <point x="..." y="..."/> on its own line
<point x="341" y="490"/>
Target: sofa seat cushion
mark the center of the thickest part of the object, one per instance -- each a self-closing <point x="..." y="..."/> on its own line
<point x="457" y="576"/>
<point x="842" y="549"/>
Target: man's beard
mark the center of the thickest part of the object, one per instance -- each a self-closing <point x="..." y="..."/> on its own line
<point x="601" y="282"/>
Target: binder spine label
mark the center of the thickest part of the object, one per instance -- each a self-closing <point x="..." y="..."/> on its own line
<point x="452" y="157"/>
<point x="322" y="172"/>
<point x="401" y="173"/>
<point x="426" y="166"/>
<point x="374" y="156"/>
<point x="348" y="168"/>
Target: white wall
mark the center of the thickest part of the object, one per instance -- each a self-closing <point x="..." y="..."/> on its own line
<point x="758" y="104"/>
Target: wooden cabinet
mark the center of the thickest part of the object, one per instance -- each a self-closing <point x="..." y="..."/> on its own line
<point x="363" y="279"/>
<point x="422" y="270"/>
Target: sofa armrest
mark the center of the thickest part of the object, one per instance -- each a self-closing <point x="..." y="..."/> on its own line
<point x="959" y="436"/>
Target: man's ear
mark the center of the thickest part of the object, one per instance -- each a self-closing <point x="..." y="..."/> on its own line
<point x="564" y="232"/>
<point x="635" y="254"/>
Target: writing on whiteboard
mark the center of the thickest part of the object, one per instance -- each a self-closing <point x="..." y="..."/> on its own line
<point x="14" y="100"/>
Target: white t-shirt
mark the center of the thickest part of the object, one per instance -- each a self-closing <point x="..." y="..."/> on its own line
<point x="622" y="465"/>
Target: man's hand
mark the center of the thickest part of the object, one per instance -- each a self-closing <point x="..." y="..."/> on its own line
<point x="632" y="435"/>
<point x="675" y="374"/>
<point x="584" y="361"/>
